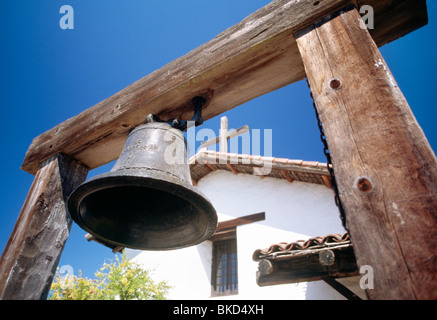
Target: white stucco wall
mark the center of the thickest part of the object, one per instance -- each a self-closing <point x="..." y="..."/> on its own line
<point x="294" y="211"/>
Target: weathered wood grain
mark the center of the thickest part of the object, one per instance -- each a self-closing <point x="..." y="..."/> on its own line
<point x="305" y="266"/>
<point x="385" y="168"/>
<point x="30" y="258"/>
<point x="254" y="57"/>
<point x="241" y="220"/>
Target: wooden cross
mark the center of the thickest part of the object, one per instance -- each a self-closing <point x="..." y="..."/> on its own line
<point x="224" y="135"/>
<point x="385" y="168"/>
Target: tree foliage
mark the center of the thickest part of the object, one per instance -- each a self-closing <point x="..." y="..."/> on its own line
<point x="120" y="279"/>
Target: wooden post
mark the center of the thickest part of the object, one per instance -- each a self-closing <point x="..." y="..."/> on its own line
<point x="30" y="258"/>
<point x="385" y="168"/>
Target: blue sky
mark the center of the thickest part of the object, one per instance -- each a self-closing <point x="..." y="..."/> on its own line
<point x="49" y="75"/>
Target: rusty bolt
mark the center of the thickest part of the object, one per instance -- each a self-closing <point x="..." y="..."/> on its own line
<point x="335" y="84"/>
<point x="364" y="184"/>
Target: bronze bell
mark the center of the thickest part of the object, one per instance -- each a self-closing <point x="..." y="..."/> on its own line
<point x="147" y="200"/>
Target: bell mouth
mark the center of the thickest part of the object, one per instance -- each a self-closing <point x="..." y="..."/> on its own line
<point x="142" y="211"/>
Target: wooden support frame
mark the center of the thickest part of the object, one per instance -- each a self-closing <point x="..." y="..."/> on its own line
<point x="385" y="169"/>
<point x="254" y="57"/>
<point x="30" y="258"/>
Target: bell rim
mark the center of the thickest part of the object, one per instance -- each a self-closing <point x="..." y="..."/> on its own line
<point x="129" y="176"/>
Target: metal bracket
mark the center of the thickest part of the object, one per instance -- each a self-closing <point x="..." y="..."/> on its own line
<point x="198" y="103"/>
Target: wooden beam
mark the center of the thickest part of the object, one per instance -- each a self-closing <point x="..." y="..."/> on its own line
<point x="259" y="172"/>
<point x="305" y="265"/>
<point x="286" y="176"/>
<point x="230" y="134"/>
<point x="231" y="168"/>
<point x="241" y="221"/>
<point x="210" y="166"/>
<point x="224" y="234"/>
<point x="254" y="57"/>
<point x="228" y="229"/>
<point x="194" y="182"/>
<point x="327" y="181"/>
<point x="30" y="258"/>
<point x="384" y="166"/>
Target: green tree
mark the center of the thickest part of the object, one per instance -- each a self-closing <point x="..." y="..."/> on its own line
<point x="120" y="279"/>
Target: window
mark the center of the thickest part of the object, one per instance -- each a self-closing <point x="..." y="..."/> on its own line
<point x="224" y="274"/>
<point x="224" y="278"/>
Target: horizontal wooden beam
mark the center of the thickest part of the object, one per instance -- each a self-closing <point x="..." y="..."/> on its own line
<point x="306" y="265"/>
<point x="241" y="221"/>
<point x="254" y="57"/>
<point x="228" y="229"/>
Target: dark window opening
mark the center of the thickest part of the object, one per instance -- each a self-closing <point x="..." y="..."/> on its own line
<point x="224" y="276"/>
